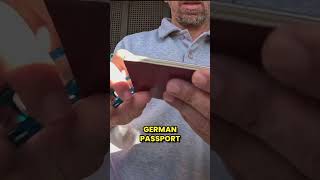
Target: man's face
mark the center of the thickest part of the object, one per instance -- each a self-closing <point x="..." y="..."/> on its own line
<point x="188" y="13"/>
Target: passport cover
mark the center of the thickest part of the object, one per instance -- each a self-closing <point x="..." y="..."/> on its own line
<point x="149" y="74"/>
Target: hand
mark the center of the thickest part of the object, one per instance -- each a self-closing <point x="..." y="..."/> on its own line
<point x="133" y="105"/>
<point x="193" y="101"/>
<point x="268" y="121"/>
<point x="73" y="141"/>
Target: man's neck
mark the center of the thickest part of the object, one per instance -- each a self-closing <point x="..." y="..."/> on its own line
<point x="195" y="31"/>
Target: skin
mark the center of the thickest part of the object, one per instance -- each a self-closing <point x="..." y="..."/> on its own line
<point x="270" y="119"/>
<point x="36" y="16"/>
<point x="69" y="136"/>
<point x="192" y="109"/>
<point x="74" y="140"/>
<point x="196" y="20"/>
<point x="192" y="100"/>
<point x="53" y="162"/>
<point x="272" y="136"/>
<point x="133" y="104"/>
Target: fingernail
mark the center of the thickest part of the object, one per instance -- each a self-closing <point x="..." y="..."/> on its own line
<point x="168" y="97"/>
<point x="132" y="90"/>
<point x="19" y="103"/>
<point x="173" y="88"/>
<point x="25" y="130"/>
<point x="6" y="96"/>
<point x="117" y="102"/>
<point x="57" y="54"/>
<point x="112" y="92"/>
<point x="128" y="78"/>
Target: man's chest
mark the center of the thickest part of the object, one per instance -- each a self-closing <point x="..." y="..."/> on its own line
<point x="175" y="49"/>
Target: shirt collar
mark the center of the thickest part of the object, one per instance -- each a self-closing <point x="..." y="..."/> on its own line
<point x="207" y="35"/>
<point x="166" y="28"/>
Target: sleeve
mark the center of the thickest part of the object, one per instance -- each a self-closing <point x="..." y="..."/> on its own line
<point x="123" y="137"/>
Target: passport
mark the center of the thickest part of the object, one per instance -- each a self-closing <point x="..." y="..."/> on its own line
<point x="151" y="74"/>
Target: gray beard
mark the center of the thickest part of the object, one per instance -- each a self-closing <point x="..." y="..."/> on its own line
<point x="187" y="20"/>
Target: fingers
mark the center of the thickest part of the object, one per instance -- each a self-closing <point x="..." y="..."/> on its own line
<point x="191" y="102"/>
<point x="89" y="139"/>
<point x="262" y="107"/>
<point x="118" y="61"/>
<point x="40" y="9"/>
<point x="191" y="95"/>
<point x="119" y="83"/>
<point x="41" y="91"/>
<point x="201" y="79"/>
<point x="291" y="54"/>
<point x="133" y="104"/>
<point x="198" y="123"/>
<point x="130" y="109"/>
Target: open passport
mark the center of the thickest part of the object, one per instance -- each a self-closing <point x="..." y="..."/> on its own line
<point x="150" y="74"/>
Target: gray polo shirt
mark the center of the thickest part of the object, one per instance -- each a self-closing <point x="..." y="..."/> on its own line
<point x="187" y="160"/>
<point x="170" y="43"/>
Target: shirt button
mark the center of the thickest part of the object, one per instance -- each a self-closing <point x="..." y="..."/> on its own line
<point x="190" y="55"/>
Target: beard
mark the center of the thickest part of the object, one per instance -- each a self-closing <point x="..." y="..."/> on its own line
<point x="192" y="17"/>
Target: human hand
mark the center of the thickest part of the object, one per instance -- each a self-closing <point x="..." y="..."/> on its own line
<point x="267" y="124"/>
<point x="193" y="101"/>
<point x="133" y="104"/>
<point x="73" y="141"/>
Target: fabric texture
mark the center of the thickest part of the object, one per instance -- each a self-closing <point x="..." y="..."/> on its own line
<point x="187" y="160"/>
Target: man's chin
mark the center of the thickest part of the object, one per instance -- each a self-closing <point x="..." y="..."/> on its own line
<point x="192" y="14"/>
<point x="192" y="20"/>
<point x="190" y="23"/>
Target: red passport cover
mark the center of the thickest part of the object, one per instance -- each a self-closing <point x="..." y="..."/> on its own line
<point x="154" y="77"/>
